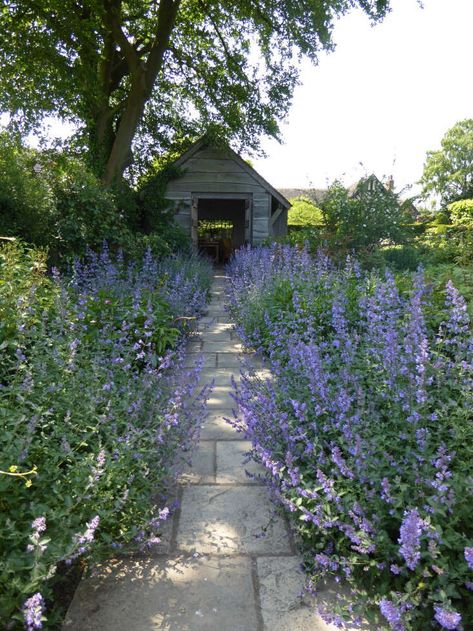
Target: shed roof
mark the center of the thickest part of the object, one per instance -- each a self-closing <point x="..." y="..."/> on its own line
<point x="203" y="142"/>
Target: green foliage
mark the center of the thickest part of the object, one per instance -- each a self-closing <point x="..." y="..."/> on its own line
<point x="303" y="214"/>
<point x="52" y="199"/>
<point x="25" y="293"/>
<point x="448" y="172"/>
<point x="402" y="257"/>
<point x="27" y="205"/>
<point x="89" y="65"/>
<point x="461" y="212"/>
<point x="86" y="214"/>
<point x="363" y="428"/>
<point x="364" y="220"/>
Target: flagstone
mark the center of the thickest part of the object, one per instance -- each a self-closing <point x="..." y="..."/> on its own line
<point x="176" y="594"/>
<point x="229" y="520"/>
<point x="232" y="463"/>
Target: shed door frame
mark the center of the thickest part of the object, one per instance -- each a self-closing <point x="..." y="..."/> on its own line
<point x="246" y="197"/>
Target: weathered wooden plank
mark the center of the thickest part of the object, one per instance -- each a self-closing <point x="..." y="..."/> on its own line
<point x="177" y="195"/>
<point x="212" y="165"/>
<point x="184" y="221"/>
<point x="220" y="176"/>
<point x="261" y="206"/>
<point x="212" y="152"/>
<point x="211" y="187"/>
<point x="276" y="215"/>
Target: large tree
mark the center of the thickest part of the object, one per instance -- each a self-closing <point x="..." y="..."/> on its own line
<point x="147" y="73"/>
<point x="448" y="172"/>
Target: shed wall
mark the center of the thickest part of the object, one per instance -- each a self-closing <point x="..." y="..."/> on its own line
<point x="210" y="170"/>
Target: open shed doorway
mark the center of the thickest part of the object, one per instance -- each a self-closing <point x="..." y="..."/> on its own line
<point x="221" y="226"/>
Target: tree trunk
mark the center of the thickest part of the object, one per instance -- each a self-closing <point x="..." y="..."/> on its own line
<point x="143" y="76"/>
<point x="119" y="157"/>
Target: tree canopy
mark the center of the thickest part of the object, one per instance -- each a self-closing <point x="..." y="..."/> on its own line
<point x="145" y="75"/>
<point x="448" y="172"/>
<point x="303" y="213"/>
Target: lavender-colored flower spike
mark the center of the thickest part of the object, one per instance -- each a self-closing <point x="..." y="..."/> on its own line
<point x="410" y="533"/>
<point x="392" y="613"/>
<point x="469" y="557"/>
<point x="447" y="618"/>
<point x="32" y="611"/>
<point x="39" y="524"/>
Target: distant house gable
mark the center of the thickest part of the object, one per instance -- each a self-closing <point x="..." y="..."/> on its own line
<point x="367" y="184"/>
<point x="315" y="195"/>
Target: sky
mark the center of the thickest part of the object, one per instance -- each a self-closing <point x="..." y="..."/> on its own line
<point x="384" y="98"/>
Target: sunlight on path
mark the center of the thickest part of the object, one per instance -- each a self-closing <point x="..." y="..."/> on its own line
<point x="227" y="562"/>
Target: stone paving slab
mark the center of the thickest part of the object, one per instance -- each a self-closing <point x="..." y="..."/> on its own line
<point x="202" y="469"/>
<point x="212" y="336"/>
<point x="209" y="360"/>
<point x="220" y="397"/>
<point x="228" y="346"/>
<point x="228" y="360"/>
<point x="281" y="583"/>
<point x="194" y="345"/>
<point x="220" y="376"/>
<point x="230" y="520"/>
<point x="178" y="594"/>
<point x="230" y="459"/>
<point x="212" y="326"/>
<point x="216" y="428"/>
<point x="216" y="311"/>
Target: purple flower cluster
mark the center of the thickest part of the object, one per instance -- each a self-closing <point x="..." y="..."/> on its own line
<point x="468" y="552"/>
<point x="447" y="618"/>
<point x="364" y="425"/>
<point x="392" y="613"/>
<point x="33" y="611"/>
<point x="410" y="534"/>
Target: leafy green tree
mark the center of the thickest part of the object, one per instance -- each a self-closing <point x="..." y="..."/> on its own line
<point x="461" y="213"/>
<point x="448" y="172"/>
<point x="303" y="213"/>
<point x="364" y="220"/>
<point x="146" y="75"/>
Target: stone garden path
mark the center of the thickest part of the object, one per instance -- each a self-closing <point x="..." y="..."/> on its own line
<point x="227" y="561"/>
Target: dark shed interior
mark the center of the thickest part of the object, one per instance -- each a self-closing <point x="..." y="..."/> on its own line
<point x="221" y="226"/>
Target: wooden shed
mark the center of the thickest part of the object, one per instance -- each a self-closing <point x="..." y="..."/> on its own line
<point x="222" y="202"/>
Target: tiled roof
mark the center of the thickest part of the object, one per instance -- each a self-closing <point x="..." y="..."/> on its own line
<point x="316" y="195"/>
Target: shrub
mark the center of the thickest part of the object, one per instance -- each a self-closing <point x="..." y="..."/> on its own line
<point x="96" y="415"/>
<point x="365" y="431"/>
<point x="303" y="214"/>
<point x="86" y="214"/>
<point x="402" y="257"/>
<point x="364" y="220"/>
<point x="461" y="212"/>
<point x="25" y="293"/>
<point x="52" y="199"/>
<point x="27" y="206"/>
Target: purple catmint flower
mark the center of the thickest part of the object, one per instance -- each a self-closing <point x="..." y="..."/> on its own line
<point x="447" y="618"/>
<point x="409" y="538"/>
<point x="468" y="552"/>
<point x="164" y="513"/>
<point x="392" y="613"/>
<point x="89" y="534"/>
<point x="39" y="524"/>
<point x="32" y="612"/>
<point x="386" y="491"/>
